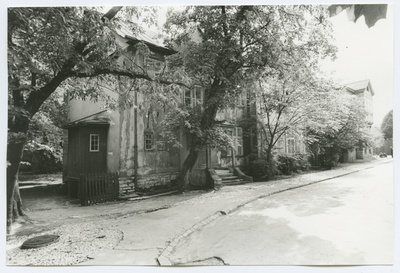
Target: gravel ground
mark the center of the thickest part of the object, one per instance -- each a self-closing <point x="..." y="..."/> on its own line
<point x="76" y="243"/>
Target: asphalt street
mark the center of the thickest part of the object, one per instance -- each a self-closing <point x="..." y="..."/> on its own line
<point x="344" y="221"/>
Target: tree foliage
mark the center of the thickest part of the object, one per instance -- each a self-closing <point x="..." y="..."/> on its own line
<point x="340" y="125"/>
<point x="51" y="47"/>
<point x="387" y="125"/>
<point x="223" y="48"/>
<point x="287" y="102"/>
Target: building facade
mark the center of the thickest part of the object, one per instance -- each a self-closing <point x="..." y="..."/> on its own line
<point x="364" y="92"/>
<point x="129" y="140"/>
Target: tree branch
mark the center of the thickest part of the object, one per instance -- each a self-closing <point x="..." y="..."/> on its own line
<point x="129" y="74"/>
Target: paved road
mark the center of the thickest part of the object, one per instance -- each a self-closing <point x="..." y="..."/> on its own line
<point x="343" y="221"/>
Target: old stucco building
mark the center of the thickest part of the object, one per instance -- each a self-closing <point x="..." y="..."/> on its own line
<point x="128" y="140"/>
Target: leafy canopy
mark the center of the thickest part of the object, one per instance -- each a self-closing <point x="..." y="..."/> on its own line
<point x="48" y="46"/>
<point x="387" y="125"/>
<point x="226" y="49"/>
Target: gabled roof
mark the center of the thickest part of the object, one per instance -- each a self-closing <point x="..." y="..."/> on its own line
<point x="359" y="86"/>
<point x="92" y="120"/>
<point x="150" y="38"/>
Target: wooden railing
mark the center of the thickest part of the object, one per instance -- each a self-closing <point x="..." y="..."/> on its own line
<point x="98" y="187"/>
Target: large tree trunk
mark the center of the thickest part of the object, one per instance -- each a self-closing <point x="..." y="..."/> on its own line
<point x="14" y="155"/>
<point x="207" y="121"/>
<point x="18" y="125"/>
<point x="184" y="175"/>
<point x="18" y="211"/>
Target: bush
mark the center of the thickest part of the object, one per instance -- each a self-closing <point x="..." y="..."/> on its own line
<point x="290" y="164"/>
<point x="39" y="158"/>
<point x="260" y="169"/>
<point x="329" y="157"/>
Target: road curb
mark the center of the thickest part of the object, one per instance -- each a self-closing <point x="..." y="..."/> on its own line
<point x="164" y="260"/>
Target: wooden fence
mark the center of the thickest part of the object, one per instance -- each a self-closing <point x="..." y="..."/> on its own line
<point x="98" y="187"/>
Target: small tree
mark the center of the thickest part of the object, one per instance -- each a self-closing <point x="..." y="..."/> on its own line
<point x="287" y="102"/>
<point x="375" y="138"/>
<point x="387" y="125"/>
<point x="340" y="125"/>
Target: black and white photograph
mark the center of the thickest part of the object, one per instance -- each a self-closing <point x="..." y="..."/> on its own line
<point x="199" y="136"/>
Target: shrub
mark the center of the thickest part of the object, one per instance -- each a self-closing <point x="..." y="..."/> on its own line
<point x="289" y="164"/>
<point x="260" y="169"/>
<point x="329" y="157"/>
<point x="39" y="158"/>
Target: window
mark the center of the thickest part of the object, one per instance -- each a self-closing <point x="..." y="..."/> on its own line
<point x="193" y="97"/>
<point x="198" y="95"/>
<point x="239" y="140"/>
<point x="229" y="132"/>
<point x="94" y="142"/>
<point x="188" y="97"/>
<point x="148" y="141"/>
<point x="241" y="102"/>
<point x="154" y="66"/>
<point x="290" y="146"/>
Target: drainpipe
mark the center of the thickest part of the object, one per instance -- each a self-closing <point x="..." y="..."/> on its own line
<point x="207" y="158"/>
<point x="135" y="145"/>
<point x="233" y="158"/>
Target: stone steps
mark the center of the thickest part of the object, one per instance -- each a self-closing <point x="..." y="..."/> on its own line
<point x="228" y="178"/>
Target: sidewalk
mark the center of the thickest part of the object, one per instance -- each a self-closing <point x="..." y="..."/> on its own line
<point x="149" y="239"/>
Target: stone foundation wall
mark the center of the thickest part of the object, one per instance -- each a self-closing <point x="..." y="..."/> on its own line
<point x="126" y="185"/>
<point x="157" y="181"/>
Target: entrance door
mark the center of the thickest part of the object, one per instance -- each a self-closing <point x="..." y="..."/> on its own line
<point x="94" y="149"/>
<point x="87" y="149"/>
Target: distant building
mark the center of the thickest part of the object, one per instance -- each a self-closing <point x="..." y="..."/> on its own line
<point x="364" y="91"/>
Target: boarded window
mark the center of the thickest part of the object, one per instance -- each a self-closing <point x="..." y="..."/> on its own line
<point x="94" y="142"/>
<point x="148" y="141"/>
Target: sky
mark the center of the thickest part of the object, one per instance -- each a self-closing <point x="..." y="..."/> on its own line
<point x="365" y="53"/>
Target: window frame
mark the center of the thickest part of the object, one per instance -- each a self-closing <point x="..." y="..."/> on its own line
<point x="288" y="145"/>
<point x="239" y="141"/>
<point x="146" y="147"/>
<point x="242" y="100"/>
<point x="229" y="132"/>
<point x="187" y="100"/>
<point x="94" y="142"/>
<point x="190" y="97"/>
